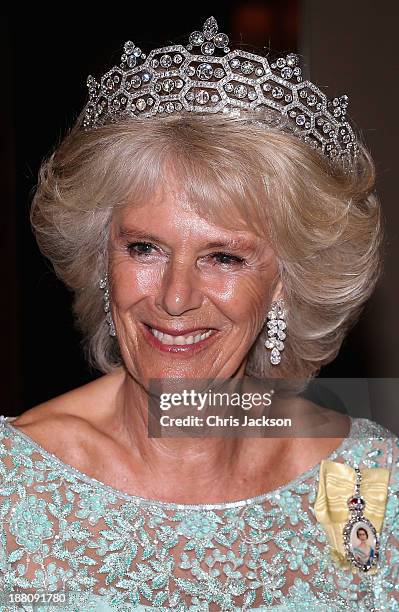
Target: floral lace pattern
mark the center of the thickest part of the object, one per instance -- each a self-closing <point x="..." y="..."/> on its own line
<point x="61" y="530"/>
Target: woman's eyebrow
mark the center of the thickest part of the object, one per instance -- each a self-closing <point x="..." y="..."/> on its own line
<point x="136" y="234"/>
<point x="230" y="243"/>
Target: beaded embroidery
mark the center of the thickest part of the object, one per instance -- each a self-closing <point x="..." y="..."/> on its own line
<point x="61" y="530"/>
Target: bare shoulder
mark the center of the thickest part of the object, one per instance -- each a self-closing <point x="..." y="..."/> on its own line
<point x="319" y="430"/>
<point x="319" y="421"/>
<point x="71" y="424"/>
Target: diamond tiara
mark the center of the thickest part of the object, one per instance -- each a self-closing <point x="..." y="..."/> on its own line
<point x="207" y="76"/>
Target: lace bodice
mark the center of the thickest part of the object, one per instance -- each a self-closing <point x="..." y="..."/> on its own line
<point x="61" y="530"/>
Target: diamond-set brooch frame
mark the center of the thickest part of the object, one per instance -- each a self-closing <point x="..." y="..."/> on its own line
<point x="347" y="533"/>
<point x="356" y="505"/>
<point x="172" y="79"/>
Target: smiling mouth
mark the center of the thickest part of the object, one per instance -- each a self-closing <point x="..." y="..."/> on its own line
<point x="183" y="340"/>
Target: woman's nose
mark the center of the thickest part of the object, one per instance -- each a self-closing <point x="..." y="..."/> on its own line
<point x="179" y="289"/>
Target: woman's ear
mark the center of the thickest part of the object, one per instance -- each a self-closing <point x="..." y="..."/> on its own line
<point x="278" y="291"/>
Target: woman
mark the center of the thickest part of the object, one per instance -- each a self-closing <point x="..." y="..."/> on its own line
<point x="363" y="551"/>
<point x="221" y="241"/>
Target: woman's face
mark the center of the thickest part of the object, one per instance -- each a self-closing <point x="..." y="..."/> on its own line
<point x="362" y="535"/>
<point x="189" y="297"/>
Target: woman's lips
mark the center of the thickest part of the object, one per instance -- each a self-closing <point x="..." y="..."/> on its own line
<point x="178" y="342"/>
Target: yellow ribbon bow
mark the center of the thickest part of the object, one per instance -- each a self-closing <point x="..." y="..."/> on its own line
<point x="336" y="486"/>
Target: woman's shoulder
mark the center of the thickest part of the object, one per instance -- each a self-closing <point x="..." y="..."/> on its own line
<point x="371" y="445"/>
<point x="69" y="425"/>
<point x="87" y="403"/>
<point x="368" y="429"/>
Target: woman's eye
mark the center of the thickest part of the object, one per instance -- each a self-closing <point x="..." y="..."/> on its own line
<point x="227" y="259"/>
<point x="140" y="248"/>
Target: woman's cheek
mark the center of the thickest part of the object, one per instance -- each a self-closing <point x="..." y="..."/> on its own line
<point x="243" y="296"/>
<point x="133" y="285"/>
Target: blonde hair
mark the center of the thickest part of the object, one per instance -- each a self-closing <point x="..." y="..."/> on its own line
<point x="323" y="222"/>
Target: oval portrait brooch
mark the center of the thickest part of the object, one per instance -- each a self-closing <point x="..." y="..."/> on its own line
<point x="350" y="505"/>
<point x="361" y="540"/>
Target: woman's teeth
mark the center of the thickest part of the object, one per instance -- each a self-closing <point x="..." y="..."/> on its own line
<point x="179" y="340"/>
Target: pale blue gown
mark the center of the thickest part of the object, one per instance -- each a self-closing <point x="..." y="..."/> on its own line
<point x="63" y="532"/>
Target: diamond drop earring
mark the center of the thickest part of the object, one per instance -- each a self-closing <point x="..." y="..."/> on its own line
<point x="275" y="330"/>
<point x="103" y="284"/>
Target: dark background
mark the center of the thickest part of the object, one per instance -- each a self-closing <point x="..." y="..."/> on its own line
<point x="347" y="47"/>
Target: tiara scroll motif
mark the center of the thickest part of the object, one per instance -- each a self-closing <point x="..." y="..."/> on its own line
<point x="207" y="77"/>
